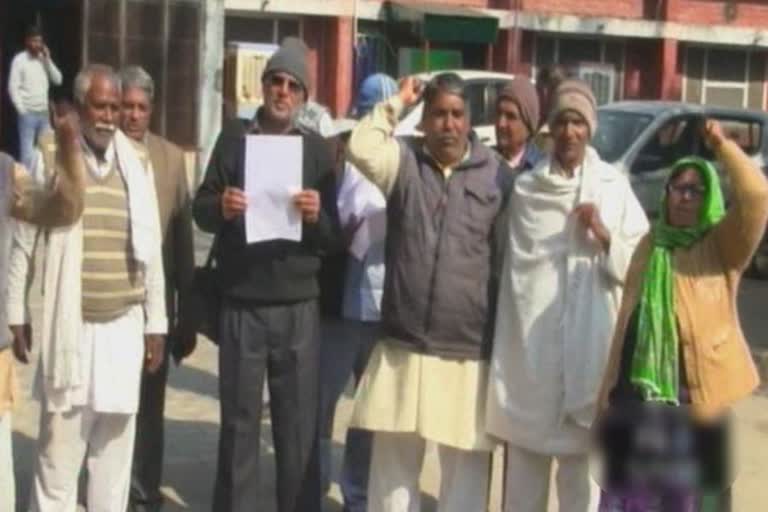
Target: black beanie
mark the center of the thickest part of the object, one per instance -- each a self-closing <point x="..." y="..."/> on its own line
<point x="290" y="58"/>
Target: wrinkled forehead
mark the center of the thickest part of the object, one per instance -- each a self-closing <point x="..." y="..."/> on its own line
<point x="102" y="91"/>
<point x="135" y="93"/>
<point x="445" y="99"/>
<point x="687" y="174"/>
<point x="570" y="116"/>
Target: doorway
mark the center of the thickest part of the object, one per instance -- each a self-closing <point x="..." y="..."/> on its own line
<point x="61" y="21"/>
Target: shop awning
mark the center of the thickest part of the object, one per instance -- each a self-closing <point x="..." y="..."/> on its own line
<point x="447" y="24"/>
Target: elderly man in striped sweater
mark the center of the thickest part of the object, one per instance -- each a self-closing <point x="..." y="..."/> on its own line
<point x="104" y="316"/>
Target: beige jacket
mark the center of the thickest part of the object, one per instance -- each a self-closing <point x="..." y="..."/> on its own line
<point x="718" y="364"/>
<point x="175" y="206"/>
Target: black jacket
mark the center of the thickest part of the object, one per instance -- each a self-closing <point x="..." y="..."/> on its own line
<point x="278" y="271"/>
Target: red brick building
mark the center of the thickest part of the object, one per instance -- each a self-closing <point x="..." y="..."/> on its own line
<point x="711" y="51"/>
<point x="702" y="51"/>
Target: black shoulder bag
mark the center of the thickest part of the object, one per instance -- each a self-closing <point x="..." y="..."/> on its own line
<point x="205" y="302"/>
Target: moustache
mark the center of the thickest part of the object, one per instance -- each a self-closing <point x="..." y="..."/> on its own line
<point x="104" y="127"/>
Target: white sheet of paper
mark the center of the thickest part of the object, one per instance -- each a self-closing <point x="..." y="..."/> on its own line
<point x="273" y="175"/>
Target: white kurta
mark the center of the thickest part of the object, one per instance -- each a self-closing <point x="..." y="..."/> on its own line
<point x="558" y="301"/>
<point x="112" y="358"/>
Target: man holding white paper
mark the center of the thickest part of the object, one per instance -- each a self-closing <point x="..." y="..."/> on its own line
<point x="271" y="184"/>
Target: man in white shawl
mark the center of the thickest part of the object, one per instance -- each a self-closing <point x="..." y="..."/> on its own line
<point x="574" y="224"/>
<point x="104" y="316"/>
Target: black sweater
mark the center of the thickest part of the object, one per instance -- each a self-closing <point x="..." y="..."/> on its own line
<point x="277" y="271"/>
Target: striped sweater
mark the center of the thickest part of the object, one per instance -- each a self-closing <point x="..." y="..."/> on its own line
<point x="111" y="279"/>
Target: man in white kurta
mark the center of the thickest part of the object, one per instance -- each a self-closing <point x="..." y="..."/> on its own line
<point x="99" y="328"/>
<point x="574" y="223"/>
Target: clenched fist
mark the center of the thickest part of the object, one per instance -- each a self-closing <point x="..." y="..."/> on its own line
<point x="589" y="217"/>
<point x="713" y="134"/>
<point x="410" y="91"/>
<point x="308" y="203"/>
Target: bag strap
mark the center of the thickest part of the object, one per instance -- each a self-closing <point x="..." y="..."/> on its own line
<point x="212" y="251"/>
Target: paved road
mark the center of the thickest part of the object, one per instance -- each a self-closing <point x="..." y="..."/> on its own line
<point x="192" y="419"/>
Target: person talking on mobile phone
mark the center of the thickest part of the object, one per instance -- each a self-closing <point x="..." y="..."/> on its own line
<point x="32" y="73"/>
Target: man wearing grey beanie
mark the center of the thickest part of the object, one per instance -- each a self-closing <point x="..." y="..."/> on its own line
<point x="574" y="223"/>
<point x="517" y="121"/>
<point x="269" y="322"/>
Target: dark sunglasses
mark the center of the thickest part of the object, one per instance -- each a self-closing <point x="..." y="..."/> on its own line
<point x="687" y="190"/>
<point x="280" y="81"/>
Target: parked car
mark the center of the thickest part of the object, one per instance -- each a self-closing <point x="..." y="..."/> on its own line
<point x="482" y="89"/>
<point x="644" y="139"/>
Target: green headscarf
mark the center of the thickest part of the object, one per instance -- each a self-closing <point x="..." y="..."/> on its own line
<point x="655" y="364"/>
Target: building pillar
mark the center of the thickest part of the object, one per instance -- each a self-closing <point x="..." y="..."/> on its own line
<point x="330" y="60"/>
<point x="670" y="9"/>
<point x="671" y="81"/>
<point x="211" y="51"/>
<point x="507" y="52"/>
<point x="642" y="69"/>
<point x="313" y="34"/>
<point x="341" y="70"/>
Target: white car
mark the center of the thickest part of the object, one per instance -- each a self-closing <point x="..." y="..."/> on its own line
<point x="482" y="89"/>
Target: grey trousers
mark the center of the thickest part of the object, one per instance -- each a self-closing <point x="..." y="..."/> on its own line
<point x="283" y="341"/>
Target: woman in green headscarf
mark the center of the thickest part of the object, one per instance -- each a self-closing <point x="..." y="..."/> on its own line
<point x="678" y="338"/>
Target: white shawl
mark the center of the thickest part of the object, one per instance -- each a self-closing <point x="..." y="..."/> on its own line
<point x="558" y="301"/>
<point x="62" y="302"/>
<point x="6" y="192"/>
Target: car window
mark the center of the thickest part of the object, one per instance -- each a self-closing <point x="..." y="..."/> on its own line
<point x="616" y="131"/>
<point x="475" y="93"/>
<point x="747" y="133"/>
<point x="670" y="142"/>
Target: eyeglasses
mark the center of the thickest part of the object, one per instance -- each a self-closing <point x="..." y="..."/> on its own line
<point x="688" y="190"/>
<point x="280" y="81"/>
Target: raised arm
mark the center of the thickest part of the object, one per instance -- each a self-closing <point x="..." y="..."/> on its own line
<point x="54" y="75"/>
<point x="373" y="148"/>
<point x="742" y="229"/>
<point x="61" y="202"/>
